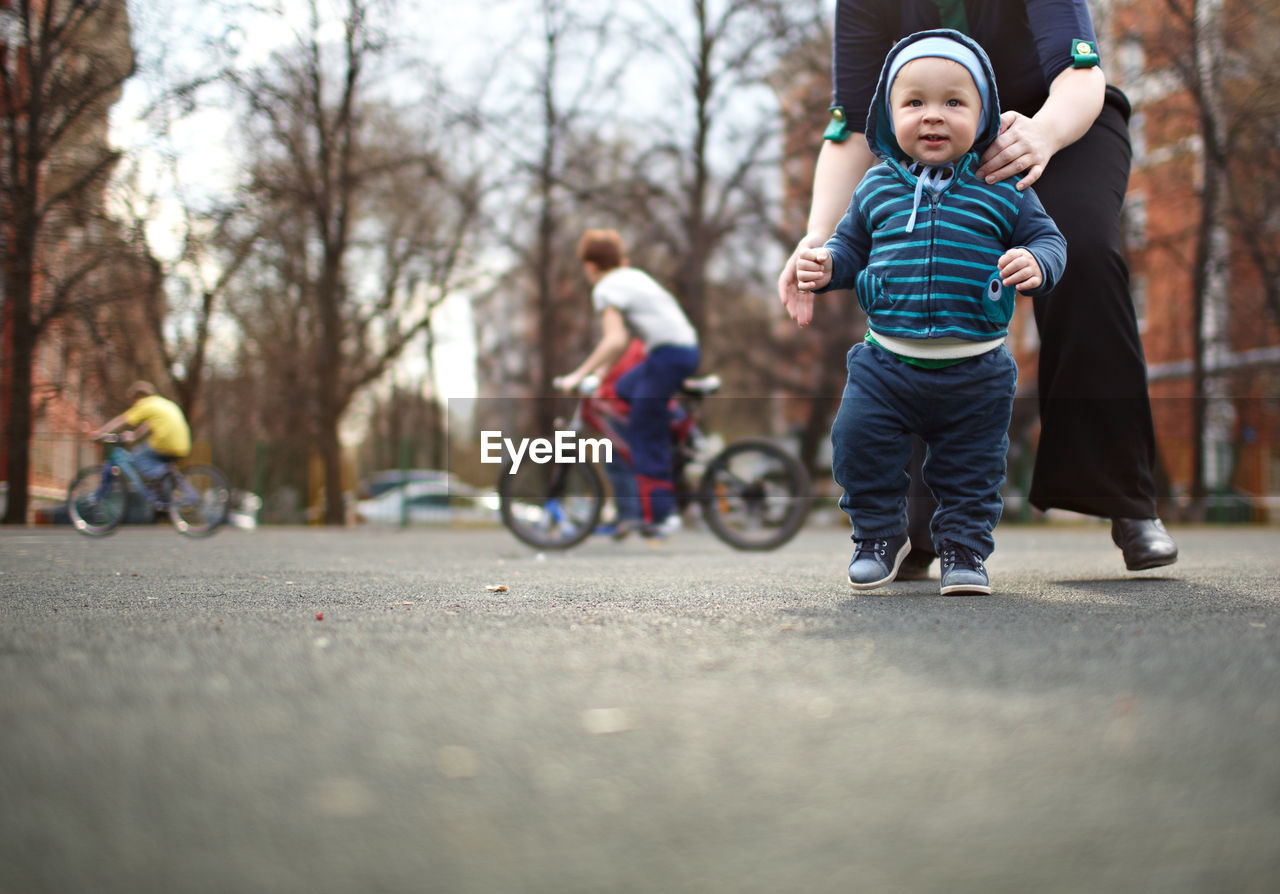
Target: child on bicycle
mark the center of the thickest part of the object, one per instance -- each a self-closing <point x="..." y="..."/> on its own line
<point x="631" y="302"/>
<point x="936" y="256"/>
<point x="156" y="422"/>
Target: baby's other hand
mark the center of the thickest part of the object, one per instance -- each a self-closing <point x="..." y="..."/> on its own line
<point x="813" y="268"/>
<point x="1018" y="268"/>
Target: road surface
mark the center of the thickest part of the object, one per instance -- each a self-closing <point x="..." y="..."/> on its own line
<point x="294" y="710"/>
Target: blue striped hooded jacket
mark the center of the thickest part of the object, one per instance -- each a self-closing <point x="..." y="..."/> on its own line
<point x="940" y="279"/>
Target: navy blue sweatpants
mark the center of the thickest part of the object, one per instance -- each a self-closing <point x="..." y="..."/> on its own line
<point x="961" y="413"/>
<point x="648" y="388"/>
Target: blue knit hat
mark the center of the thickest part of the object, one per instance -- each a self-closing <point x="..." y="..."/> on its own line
<point x="944" y="48"/>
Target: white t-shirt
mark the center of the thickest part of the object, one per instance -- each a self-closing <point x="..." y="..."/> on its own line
<point x="651" y="312"/>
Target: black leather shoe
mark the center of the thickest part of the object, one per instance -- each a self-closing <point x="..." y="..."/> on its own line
<point x="1144" y="542"/>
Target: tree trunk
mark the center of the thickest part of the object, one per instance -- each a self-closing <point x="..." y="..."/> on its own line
<point x="436" y="421"/>
<point x="692" y="280"/>
<point x="1212" y="248"/>
<point x="548" y="323"/>
<point x="330" y="400"/>
<point x="544" y="259"/>
<point x="331" y="455"/>
<point x="20" y="300"/>
<point x="18" y="431"/>
<point x="691" y="285"/>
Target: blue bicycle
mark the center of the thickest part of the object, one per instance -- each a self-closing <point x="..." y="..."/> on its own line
<point x="196" y="497"/>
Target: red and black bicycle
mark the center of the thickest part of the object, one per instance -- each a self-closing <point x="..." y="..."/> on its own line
<point x="753" y="494"/>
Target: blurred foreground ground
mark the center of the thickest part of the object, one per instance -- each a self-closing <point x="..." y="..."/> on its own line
<point x="178" y="717"/>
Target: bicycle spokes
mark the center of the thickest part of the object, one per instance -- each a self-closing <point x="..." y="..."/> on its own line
<point x="96" y="500"/>
<point x="199" y="500"/>
<point x="185" y="494"/>
<point x="551" y="507"/>
<point x="754" y="495"/>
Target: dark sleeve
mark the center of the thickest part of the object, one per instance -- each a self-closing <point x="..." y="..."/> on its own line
<point x="1055" y="25"/>
<point x="862" y="39"/>
<point x="849" y="247"/>
<point x="1035" y="231"/>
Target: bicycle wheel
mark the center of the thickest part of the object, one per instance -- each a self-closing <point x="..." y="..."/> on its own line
<point x="97" y="505"/>
<point x="199" y="500"/>
<point x="754" y="495"/>
<point x="551" y="505"/>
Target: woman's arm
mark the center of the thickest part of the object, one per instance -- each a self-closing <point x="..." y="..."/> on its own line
<point x="841" y="166"/>
<point x="1025" y="145"/>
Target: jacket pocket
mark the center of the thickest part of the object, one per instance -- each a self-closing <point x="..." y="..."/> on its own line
<point x="871" y="293"/>
<point x="997" y="300"/>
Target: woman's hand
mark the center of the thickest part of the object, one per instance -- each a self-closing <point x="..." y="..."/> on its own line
<point x="1023" y="147"/>
<point x="794" y="297"/>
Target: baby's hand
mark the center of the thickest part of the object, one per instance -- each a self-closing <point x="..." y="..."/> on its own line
<point x="1018" y="267"/>
<point x="813" y="268"/>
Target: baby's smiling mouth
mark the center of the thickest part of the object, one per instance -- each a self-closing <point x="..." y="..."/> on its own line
<point x="933" y="138"/>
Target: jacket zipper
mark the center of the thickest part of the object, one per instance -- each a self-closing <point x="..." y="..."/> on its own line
<point x="934" y="202"/>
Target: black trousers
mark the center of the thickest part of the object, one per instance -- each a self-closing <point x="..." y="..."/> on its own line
<point x="1097" y="445"/>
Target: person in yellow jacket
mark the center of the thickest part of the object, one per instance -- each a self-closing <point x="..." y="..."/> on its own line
<point x="156" y="422"/>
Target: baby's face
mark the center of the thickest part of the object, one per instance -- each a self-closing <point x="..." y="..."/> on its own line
<point x="936" y="109"/>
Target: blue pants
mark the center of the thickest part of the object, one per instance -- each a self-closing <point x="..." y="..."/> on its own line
<point x="961" y="413"/>
<point x="150" y="464"/>
<point x="626" y="495"/>
<point x="648" y="388"/>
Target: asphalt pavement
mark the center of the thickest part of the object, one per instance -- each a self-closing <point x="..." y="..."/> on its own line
<point x="292" y="710"/>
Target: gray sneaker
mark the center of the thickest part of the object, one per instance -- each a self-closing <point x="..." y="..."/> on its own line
<point x="876" y="562"/>
<point x="962" y="571"/>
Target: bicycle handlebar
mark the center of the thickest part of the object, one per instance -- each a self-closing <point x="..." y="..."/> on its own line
<point x="585" y="388"/>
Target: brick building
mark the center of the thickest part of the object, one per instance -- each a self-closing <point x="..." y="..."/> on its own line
<point x="1145" y="46"/>
<point x="86" y="279"/>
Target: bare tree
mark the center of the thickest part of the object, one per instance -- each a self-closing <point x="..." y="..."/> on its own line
<point x="1216" y="55"/>
<point x="184" y="292"/>
<point x="715" y="164"/>
<point x="1253" y="103"/>
<point x="1203" y="19"/>
<point x="62" y="64"/>
<point x="362" y="230"/>
<point x="570" y="82"/>
<point x="545" y="257"/>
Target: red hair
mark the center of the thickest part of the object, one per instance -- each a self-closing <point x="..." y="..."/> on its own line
<point x="603" y="248"/>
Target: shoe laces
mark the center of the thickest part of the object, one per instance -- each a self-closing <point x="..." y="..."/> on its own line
<point x="872" y="547"/>
<point x="954" y="554"/>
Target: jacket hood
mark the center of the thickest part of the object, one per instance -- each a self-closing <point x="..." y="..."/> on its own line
<point x="880" y="134"/>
